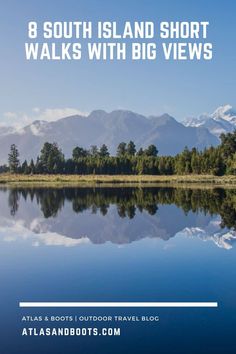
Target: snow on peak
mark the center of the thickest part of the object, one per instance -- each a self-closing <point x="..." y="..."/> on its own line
<point x="222" y="120"/>
<point x="225" y="112"/>
<point x="222" y="238"/>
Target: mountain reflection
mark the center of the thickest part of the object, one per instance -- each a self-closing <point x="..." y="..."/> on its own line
<point x="122" y="215"/>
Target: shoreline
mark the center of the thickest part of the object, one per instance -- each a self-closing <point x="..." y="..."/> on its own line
<point x="11" y="179"/>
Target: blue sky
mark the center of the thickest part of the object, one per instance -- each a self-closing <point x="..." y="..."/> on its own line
<point x="33" y="89"/>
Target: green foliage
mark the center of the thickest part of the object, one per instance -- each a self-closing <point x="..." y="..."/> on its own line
<point x="13" y="159"/>
<point x="131" y="148"/>
<point x="103" y="152"/>
<point x="216" y="161"/>
<point x="121" y="149"/>
<point x="140" y="152"/>
<point x="228" y="144"/>
<point x="130" y="200"/>
<point x="79" y="152"/>
<point x="94" y="151"/>
<point x="4" y="169"/>
<point x="151" y="150"/>
<point x="231" y="165"/>
<point x="51" y="159"/>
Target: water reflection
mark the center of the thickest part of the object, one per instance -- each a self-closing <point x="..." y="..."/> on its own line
<point x="71" y="216"/>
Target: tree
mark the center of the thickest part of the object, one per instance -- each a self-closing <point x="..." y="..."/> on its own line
<point x="79" y="152"/>
<point x="31" y="166"/>
<point x="94" y="150"/>
<point x="195" y="163"/>
<point x="131" y="149"/>
<point x="140" y="152"/>
<point x="38" y="166"/>
<point x="212" y="160"/>
<point x="183" y="162"/>
<point x="103" y="152"/>
<point x="228" y="144"/>
<point x="151" y="150"/>
<point x="51" y="158"/>
<point x="121" y="149"/>
<point x="13" y="159"/>
<point x="4" y="168"/>
<point x="24" y="167"/>
<point x="231" y="165"/>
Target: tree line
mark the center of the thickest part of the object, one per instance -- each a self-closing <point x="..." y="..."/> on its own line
<point x="129" y="201"/>
<point x="128" y="160"/>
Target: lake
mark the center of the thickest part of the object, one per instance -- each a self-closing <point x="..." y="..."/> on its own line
<point x="119" y="244"/>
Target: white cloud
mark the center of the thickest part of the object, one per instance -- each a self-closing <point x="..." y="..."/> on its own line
<point x="10" y="115"/>
<point x="18" y="231"/>
<point x="52" y="114"/>
<point x="21" y="119"/>
<point x="36" y="109"/>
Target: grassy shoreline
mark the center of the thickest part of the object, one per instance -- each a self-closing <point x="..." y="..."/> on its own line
<point x="117" y="179"/>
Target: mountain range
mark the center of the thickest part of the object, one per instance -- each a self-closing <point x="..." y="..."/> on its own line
<point x="169" y="135"/>
<point x="222" y="120"/>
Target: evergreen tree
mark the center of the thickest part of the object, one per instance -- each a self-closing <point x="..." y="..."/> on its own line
<point x="151" y="150"/>
<point x="38" y="166"/>
<point x="13" y="159"/>
<point x="4" y="168"/>
<point x="228" y="144"/>
<point x="51" y="158"/>
<point x="79" y="152"/>
<point x="213" y="160"/>
<point x="103" y="152"/>
<point x="231" y="165"/>
<point x="94" y="151"/>
<point x="32" y="167"/>
<point x="24" y="167"/>
<point x="140" y="152"/>
<point x="131" y="149"/>
<point x="121" y="149"/>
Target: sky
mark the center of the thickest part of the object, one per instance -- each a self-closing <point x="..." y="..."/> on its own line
<point x="32" y="90"/>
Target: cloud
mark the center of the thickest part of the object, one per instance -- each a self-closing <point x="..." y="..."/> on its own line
<point x="17" y="230"/>
<point x="10" y="115"/>
<point x="52" y="114"/>
<point x="36" y="109"/>
<point x="21" y="119"/>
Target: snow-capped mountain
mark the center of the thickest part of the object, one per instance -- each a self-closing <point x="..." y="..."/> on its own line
<point x="222" y="120"/>
<point x="100" y="127"/>
<point x="226" y="113"/>
<point x="222" y="237"/>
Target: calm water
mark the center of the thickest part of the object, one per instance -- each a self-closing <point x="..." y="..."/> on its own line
<point x="120" y="244"/>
